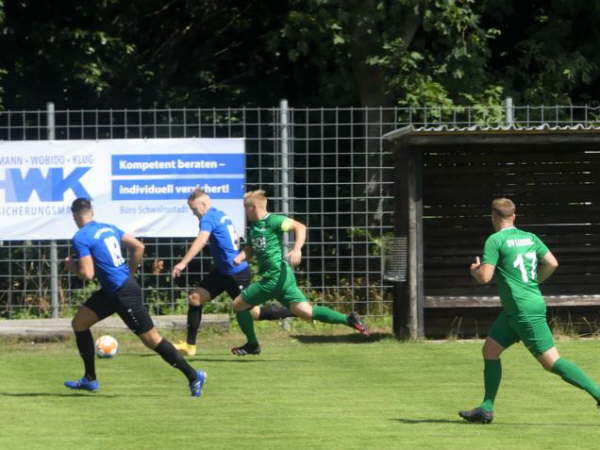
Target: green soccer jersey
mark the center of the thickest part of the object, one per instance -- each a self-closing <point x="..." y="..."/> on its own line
<point x="266" y="239"/>
<point x="516" y="253"/>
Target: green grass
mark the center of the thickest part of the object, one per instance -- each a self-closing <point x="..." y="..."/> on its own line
<point x="312" y="388"/>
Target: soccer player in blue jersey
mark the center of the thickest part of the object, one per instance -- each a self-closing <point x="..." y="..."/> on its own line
<point x="98" y="253"/>
<point x="216" y="230"/>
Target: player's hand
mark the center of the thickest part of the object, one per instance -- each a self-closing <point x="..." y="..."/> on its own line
<point x="177" y="269"/>
<point x="238" y="259"/>
<point x="475" y="265"/>
<point x="294" y="257"/>
<point x="71" y="264"/>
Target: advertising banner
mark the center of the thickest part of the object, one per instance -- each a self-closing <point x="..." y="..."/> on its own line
<point x="140" y="185"/>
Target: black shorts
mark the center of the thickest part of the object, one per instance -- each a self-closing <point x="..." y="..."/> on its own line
<point x="126" y="302"/>
<point x="216" y="282"/>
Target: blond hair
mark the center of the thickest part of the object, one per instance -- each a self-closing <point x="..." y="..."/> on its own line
<point x="198" y="192"/>
<point x="255" y="197"/>
<point x="503" y="207"/>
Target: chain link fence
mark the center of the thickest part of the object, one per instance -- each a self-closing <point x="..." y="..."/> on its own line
<point x="336" y="179"/>
<point x="326" y="167"/>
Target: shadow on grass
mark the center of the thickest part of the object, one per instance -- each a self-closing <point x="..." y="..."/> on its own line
<point x="417" y="421"/>
<point x="243" y="359"/>
<point x="341" y="338"/>
<point x="56" y="394"/>
<point x="463" y="422"/>
<point x="230" y="359"/>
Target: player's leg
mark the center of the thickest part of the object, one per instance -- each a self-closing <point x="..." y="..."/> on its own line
<point x="254" y="295"/>
<point x="537" y="337"/>
<point x="92" y="311"/>
<point x="152" y="339"/>
<point x="210" y="287"/>
<point x="244" y="318"/>
<point x="131" y="309"/>
<point x="196" y="300"/>
<point x="306" y="311"/>
<point x="271" y="311"/>
<point x="300" y="307"/>
<point x="500" y="337"/>
<point x="237" y="282"/>
<point x="573" y="374"/>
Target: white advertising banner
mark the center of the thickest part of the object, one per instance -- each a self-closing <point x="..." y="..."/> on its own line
<point x="139" y="185"/>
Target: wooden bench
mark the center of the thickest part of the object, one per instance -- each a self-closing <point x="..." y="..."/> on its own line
<point x="62" y="327"/>
<point x="494" y="302"/>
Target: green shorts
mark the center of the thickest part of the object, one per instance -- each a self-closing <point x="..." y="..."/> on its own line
<point x="532" y="329"/>
<point x="280" y="286"/>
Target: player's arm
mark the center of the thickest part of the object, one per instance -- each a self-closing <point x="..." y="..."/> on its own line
<point x="82" y="264"/>
<point x="483" y="273"/>
<point x="245" y="254"/>
<point x="196" y="247"/>
<point x="548" y="264"/>
<point x="299" y="229"/>
<point x="82" y="267"/>
<point x="135" y="251"/>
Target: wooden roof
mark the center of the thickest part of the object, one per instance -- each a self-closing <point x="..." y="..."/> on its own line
<point x="423" y="137"/>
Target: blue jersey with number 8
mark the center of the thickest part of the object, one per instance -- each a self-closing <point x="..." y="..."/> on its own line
<point x="103" y="242"/>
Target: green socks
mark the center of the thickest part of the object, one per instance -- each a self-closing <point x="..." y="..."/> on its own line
<point x="567" y="370"/>
<point x="247" y="325"/>
<point x="492" y="374"/>
<point x="572" y="374"/>
<point x="324" y="314"/>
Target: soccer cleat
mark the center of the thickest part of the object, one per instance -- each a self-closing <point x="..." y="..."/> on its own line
<point x="356" y="322"/>
<point x="477" y="415"/>
<point x="185" y="349"/>
<point x="197" y="385"/>
<point x="246" y="349"/>
<point x="83" y="384"/>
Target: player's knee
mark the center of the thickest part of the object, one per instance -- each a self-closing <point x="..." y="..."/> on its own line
<point x="75" y="324"/>
<point x="548" y="367"/>
<point x="302" y="311"/>
<point x="255" y="313"/>
<point x="489" y="353"/>
<point x="78" y="325"/>
<point x="194" y="299"/>
<point x="151" y="338"/>
<point x="239" y="305"/>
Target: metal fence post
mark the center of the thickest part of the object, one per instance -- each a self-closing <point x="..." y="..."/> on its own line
<point x="508" y="107"/>
<point x="53" y="246"/>
<point x="285" y="192"/>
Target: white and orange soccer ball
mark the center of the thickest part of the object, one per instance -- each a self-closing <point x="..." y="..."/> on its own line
<point x="106" y="346"/>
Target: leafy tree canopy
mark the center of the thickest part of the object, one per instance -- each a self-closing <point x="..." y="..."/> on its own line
<point x="145" y="53"/>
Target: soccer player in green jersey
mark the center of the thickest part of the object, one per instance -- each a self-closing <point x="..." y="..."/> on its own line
<point x="521" y="262"/>
<point x="265" y="241"/>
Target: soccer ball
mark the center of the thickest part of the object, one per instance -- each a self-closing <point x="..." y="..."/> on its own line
<point x="106" y="346"/>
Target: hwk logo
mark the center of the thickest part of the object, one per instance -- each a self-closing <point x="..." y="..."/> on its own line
<point x="50" y="188"/>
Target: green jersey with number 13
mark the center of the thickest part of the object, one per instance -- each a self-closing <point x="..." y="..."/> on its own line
<point x="516" y="253"/>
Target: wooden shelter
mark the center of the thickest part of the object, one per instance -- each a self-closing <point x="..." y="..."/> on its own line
<point x="445" y="181"/>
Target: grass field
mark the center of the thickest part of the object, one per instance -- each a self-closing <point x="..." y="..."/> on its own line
<point x="312" y="388"/>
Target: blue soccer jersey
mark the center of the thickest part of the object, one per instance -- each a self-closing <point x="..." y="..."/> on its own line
<point x="103" y="242"/>
<point x="224" y="242"/>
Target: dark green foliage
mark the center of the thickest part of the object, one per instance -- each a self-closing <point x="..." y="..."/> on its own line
<point x="313" y="52"/>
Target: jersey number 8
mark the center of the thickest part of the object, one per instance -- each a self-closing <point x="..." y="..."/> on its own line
<point x="114" y="248"/>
